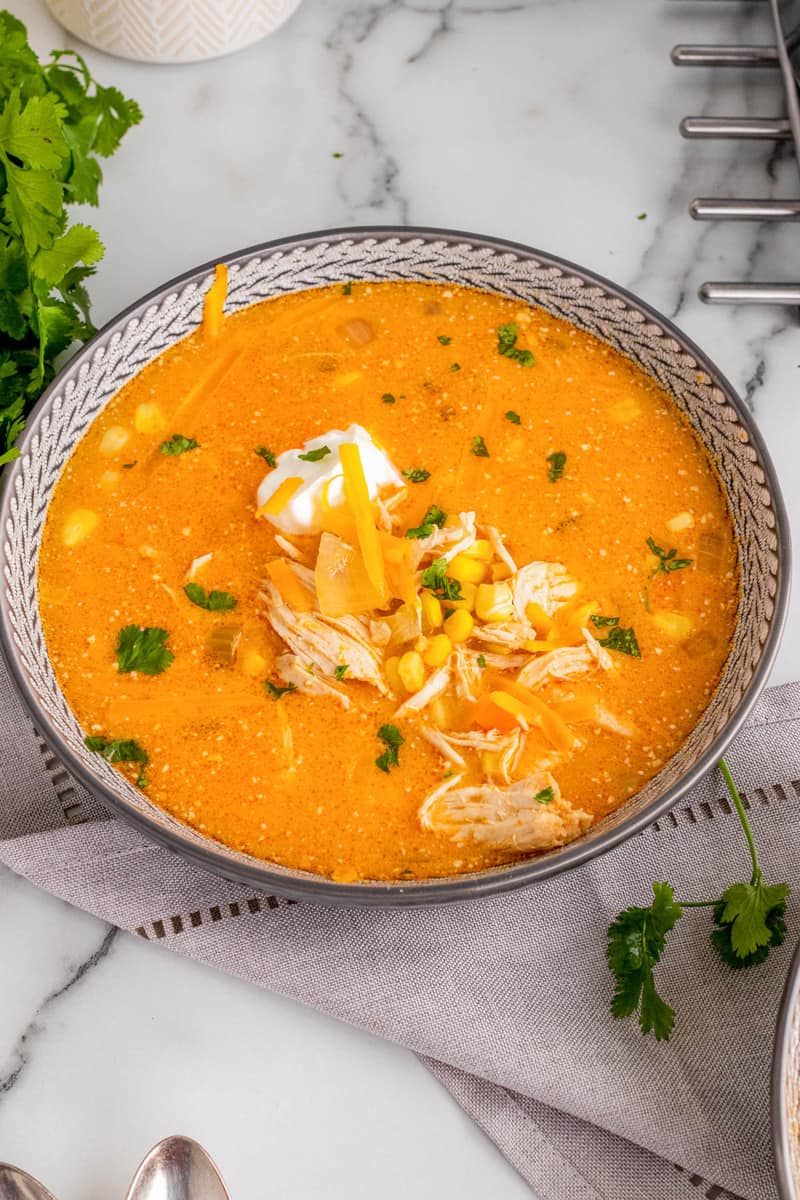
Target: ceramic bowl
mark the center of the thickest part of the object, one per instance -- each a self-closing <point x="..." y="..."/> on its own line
<point x="143" y="331"/>
<point x="786" y="1088"/>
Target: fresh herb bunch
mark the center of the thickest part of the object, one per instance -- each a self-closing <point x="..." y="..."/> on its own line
<point x="749" y="919"/>
<point x="55" y="121"/>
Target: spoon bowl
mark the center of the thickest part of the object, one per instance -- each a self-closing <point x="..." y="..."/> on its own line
<point x="19" y="1185"/>
<point x="178" y="1168"/>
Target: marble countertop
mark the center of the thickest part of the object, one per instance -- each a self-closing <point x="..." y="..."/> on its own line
<point x="552" y="122"/>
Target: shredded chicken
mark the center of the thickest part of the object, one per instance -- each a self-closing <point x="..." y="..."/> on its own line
<point x="287" y="547"/>
<point x="505" y="747"/>
<point x="498" y="545"/>
<point x="442" y="743"/>
<point x="434" y="687"/>
<point x="195" y="565"/>
<point x="505" y="818"/>
<point x="507" y="633"/>
<point x="565" y="662"/>
<point x="598" y="652"/>
<point x="446" y="542"/>
<point x="605" y="719"/>
<point x="544" y="583"/>
<point x="467" y="672"/>
<point x="303" y="675"/>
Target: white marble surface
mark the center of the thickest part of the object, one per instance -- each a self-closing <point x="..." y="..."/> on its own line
<point x="553" y="122"/>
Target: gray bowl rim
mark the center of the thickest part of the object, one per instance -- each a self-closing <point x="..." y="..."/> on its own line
<point x="781" y="1065"/>
<point x="302" y="885"/>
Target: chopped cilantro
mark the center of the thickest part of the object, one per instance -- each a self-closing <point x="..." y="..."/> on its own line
<point x="482" y="661"/>
<point x="129" y="466"/>
<point x="388" y="398"/>
<point x="641" y="217"/>
<point x="507" y="345"/>
<point x="434" y="517"/>
<point x="341" y="671"/>
<point x="622" y="640"/>
<point x="444" y="339"/>
<point x="455" y="366"/>
<point x="392" y="739"/>
<point x="347" y="289"/>
<point x="557" y="461"/>
<point x="666" y="559"/>
<point x="604" y="622"/>
<point x="267" y="455"/>
<point x="178" y="444"/>
<point x="276" y="692"/>
<point x="479" y="447"/>
<point x="416" y="474"/>
<point x="513" y="417"/>
<point x="120" y="750"/>
<point x="545" y="796"/>
<point x="315" y="455"/>
<point x="212" y="601"/>
<point x="143" y="649"/>
<point x="436" y="580"/>
<point x="338" y="154"/>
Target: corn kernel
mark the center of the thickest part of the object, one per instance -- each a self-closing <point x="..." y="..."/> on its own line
<point x="253" y="663"/>
<point x="432" y="615"/>
<point x="467" y="601"/>
<point x="501" y="570"/>
<point x="467" y="570"/>
<point x="494" y="601"/>
<point x="114" y="440"/>
<point x="437" y="650"/>
<point x="411" y="670"/>
<point x="538" y="618"/>
<point x="346" y="378"/>
<point x="480" y="549"/>
<point x="674" y="625"/>
<point x="78" y="525"/>
<point x="459" y="625"/>
<point x="393" y="675"/>
<point x="680" y="522"/>
<point x="148" y="418"/>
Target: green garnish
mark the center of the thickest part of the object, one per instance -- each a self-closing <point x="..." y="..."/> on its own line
<point x="482" y="661"/>
<point x="347" y="288"/>
<point x="276" y="692"/>
<point x="545" y="796"/>
<point x="129" y="466"/>
<point x="455" y="366"/>
<point x="211" y="601"/>
<point x="513" y="417"/>
<point x="178" y="444"/>
<point x="416" y="474"/>
<point x="434" y="517"/>
<point x="392" y="739"/>
<point x="604" y="622"/>
<point x="641" y="217"/>
<point x="143" y="649"/>
<point x="388" y="398"/>
<point x="120" y="750"/>
<point x="55" y="121"/>
<point x="507" y="345"/>
<point x="443" y="339"/>
<point x="622" y="640"/>
<point x="436" y="580"/>
<point x="341" y="671"/>
<point x="556" y="461"/>
<point x="666" y="559"/>
<point x="267" y="455"/>
<point x="315" y="455"/>
<point x="338" y="154"/>
<point x="479" y="447"/>
<point x="749" y="919"/>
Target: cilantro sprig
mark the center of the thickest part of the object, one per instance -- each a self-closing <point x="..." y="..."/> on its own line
<point x="667" y="560"/>
<point x="143" y="649"/>
<point x="434" y="518"/>
<point x="178" y="444"/>
<point x="392" y="739"/>
<point x="120" y="750"/>
<point x="212" y="601"/>
<point x="56" y="122"/>
<point x="749" y="920"/>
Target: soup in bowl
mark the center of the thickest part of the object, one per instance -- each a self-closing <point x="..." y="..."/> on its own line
<point x="395" y="568"/>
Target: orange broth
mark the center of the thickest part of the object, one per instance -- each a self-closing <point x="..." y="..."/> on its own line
<point x="294" y="779"/>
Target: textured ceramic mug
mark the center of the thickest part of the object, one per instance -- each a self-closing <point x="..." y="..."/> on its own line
<point x="171" y="31"/>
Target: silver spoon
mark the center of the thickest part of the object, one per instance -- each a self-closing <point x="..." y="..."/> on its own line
<point x="178" y="1168"/>
<point x="19" y="1185"/>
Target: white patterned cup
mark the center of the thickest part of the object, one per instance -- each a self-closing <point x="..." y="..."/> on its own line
<point x="171" y="31"/>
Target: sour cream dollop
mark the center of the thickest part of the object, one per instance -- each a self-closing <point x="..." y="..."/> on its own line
<point x="303" y="513"/>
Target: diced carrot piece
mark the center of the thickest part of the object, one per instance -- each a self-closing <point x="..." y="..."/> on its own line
<point x="214" y="301"/>
<point x="489" y="715"/>
<point x="554" y="727"/>
<point x="294" y="593"/>
<point x="280" y="497"/>
<point x="357" y="495"/>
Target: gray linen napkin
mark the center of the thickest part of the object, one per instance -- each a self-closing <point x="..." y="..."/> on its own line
<point x="506" y="1000"/>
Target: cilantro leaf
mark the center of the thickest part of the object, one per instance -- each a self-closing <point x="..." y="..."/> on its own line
<point x="416" y="474"/>
<point x="392" y="739"/>
<point x="434" y="518"/>
<point x="479" y="447"/>
<point x="178" y="444"/>
<point x="436" y="579"/>
<point x="212" y="601"/>
<point x="443" y="339"/>
<point x="143" y="649"/>
<point x="622" y="640"/>
<point x="556" y="461"/>
<point x="388" y="398"/>
<point x="603" y="622"/>
<point x="120" y="750"/>
<point x="481" y="660"/>
<point x="507" y="345"/>
<point x="750" y="916"/>
<point x="513" y="417"/>
<point x="267" y="455"/>
<point x="636" y="941"/>
<point x="545" y="796"/>
<point x="315" y="455"/>
<point x="276" y="692"/>
<point x="341" y="671"/>
<point x="666" y="558"/>
<point x="455" y="366"/>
